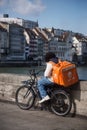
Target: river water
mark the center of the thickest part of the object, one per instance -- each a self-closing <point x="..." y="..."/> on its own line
<point x="82" y="71"/>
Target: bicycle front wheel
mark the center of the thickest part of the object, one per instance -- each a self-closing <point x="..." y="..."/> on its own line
<point x="61" y="103"/>
<point x="25" y="97"/>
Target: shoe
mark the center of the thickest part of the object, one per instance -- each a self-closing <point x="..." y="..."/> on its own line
<point x="44" y="99"/>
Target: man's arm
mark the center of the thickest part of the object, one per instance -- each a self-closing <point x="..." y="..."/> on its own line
<point x="48" y="70"/>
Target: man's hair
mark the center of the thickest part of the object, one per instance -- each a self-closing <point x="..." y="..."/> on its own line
<point x="49" y="56"/>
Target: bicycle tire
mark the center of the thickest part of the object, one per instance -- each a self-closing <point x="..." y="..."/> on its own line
<point x="25" y="97"/>
<point x="61" y="103"/>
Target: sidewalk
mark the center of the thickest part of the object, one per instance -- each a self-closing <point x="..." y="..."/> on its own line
<point x="13" y="118"/>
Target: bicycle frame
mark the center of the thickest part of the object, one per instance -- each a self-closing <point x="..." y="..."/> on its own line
<point x="32" y="82"/>
<point x="29" y="91"/>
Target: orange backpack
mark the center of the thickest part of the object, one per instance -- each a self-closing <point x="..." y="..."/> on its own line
<point x="64" y="73"/>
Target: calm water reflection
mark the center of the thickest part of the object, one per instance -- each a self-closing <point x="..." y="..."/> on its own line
<point x="18" y="70"/>
<point x="82" y="71"/>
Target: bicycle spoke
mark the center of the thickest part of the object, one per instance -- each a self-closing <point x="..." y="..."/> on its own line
<point x="25" y="97"/>
<point x="61" y="103"/>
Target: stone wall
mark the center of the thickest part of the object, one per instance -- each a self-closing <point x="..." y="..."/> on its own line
<point x="10" y="82"/>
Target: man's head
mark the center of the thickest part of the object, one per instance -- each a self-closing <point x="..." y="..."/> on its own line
<point x="49" y="56"/>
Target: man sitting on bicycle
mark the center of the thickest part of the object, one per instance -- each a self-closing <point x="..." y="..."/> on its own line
<point x="47" y="79"/>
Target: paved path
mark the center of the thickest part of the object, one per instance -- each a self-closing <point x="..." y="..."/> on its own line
<point x="13" y="118"/>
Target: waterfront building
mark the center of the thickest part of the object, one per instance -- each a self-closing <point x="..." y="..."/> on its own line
<point x="16" y="43"/>
<point x="42" y="40"/>
<point x="23" y="40"/>
<point x="61" y="49"/>
<point x="3" y="43"/>
<point x="48" y="35"/>
<point x="57" y="32"/>
<point x="53" y="45"/>
<point x="60" y="44"/>
<point x="29" y="24"/>
<point x="31" y="44"/>
<point x="25" y="23"/>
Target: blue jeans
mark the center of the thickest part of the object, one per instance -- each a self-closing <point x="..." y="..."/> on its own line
<point x="42" y="83"/>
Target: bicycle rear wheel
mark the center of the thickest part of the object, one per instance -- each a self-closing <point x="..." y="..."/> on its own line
<point x="61" y="103"/>
<point x="25" y="97"/>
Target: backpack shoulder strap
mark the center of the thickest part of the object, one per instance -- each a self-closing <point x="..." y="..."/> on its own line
<point x="56" y="64"/>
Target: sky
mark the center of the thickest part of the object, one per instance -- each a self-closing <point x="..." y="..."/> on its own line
<point x="60" y="14"/>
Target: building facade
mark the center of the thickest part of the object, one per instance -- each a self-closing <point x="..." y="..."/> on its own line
<point x="25" y="23"/>
<point x="16" y="42"/>
<point x="21" y="40"/>
<point x="3" y="43"/>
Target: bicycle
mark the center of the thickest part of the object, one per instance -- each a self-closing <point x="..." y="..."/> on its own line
<point x="60" y="102"/>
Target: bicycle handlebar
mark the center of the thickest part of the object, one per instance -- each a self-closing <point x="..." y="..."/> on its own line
<point x="32" y="72"/>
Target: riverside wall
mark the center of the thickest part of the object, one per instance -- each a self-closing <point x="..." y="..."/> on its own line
<point x="10" y="82"/>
